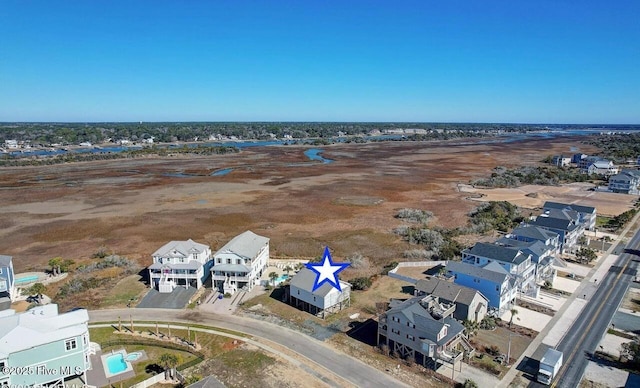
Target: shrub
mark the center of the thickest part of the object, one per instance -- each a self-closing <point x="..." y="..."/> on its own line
<point x="361" y="283"/>
<point x="415" y="215"/>
<point x="389" y="267"/>
<point x="493" y="350"/>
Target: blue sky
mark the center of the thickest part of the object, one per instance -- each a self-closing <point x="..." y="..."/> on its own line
<point x="543" y="61"/>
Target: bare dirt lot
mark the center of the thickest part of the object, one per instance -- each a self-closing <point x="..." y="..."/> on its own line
<point x="134" y="206"/>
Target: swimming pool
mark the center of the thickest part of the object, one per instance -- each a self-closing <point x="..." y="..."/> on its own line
<point x="116" y="363"/>
<point x="27" y="279"/>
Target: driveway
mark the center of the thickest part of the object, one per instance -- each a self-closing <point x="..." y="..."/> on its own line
<point x="177" y="299"/>
<point x="331" y="360"/>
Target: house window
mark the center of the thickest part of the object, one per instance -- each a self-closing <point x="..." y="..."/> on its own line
<point x="84" y="340"/>
<point x="228" y="261"/>
<point x="410" y="337"/>
<point x="411" y="325"/>
<point x="219" y="260"/>
<point x="3" y="365"/>
<point x="70" y="344"/>
<point x="396" y="319"/>
<point x="497" y="288"/>
<point x="298" y="292"/>
<point x="395" y="331"/>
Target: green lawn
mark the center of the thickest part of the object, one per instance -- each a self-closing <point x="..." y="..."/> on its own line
<point x="126" y="289"/>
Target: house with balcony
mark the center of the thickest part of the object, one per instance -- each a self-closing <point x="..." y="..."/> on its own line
<point x="324" y="300"/>
<point x="542" y="256"/>
<point x="470" y="304"/>
<point x="492" y="280"/>
<point x="597" y="165"/>
<point x="49" y="348"/>
<point x="626" y="182"/>
<point x="7" y="282"/>
<point x="515" y="261"/>
<point x="565" y="222"/>
<point x="239" y="264"/>
<point x="423" y="329"/>
<point x="586" y="214"/>
<point x="180" y="264"/>
<point x="531" y="233"/>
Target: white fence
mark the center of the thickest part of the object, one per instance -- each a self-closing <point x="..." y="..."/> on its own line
<point x="156" y="379"/>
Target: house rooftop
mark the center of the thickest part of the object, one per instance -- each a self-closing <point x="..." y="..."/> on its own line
<point x="534" y="232"/>
<point x="578" y="208"/>
<point x="306" y="278"/>
<point x="38" y="326"/>
<point x="247" y="245"/>
<point x="447" y="290"/>
<point x="5" y="261"/>
<point x="478" y="272"/>
<point x="497" y="252"/>
<point x="418" y="313"/>
<point x="180" y="249"/>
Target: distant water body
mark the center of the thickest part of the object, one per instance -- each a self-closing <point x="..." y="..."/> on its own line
<point x="507" y="137"/>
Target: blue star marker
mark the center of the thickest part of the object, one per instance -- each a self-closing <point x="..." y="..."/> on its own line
<point x="327" y="271"/>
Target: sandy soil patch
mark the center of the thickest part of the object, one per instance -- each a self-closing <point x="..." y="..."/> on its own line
<point x="534" y="196"/>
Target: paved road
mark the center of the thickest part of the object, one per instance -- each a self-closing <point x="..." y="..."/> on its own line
<point x="347" y="367"/>
<point x="588" y="329"/>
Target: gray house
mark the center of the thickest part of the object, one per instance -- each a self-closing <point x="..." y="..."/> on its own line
<point x="470" y="304"/>
<point x="586" y="214"/>
<point x="565" y="222"/>
<point x="324" y="300"/>
<point x="423" y="329"/>
<point x="627" y="182"/>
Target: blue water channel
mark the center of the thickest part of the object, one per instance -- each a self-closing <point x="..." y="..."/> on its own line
<point x="314" y="154"/>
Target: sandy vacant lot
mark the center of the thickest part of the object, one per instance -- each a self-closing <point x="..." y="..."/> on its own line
<point x="132" y="207"/>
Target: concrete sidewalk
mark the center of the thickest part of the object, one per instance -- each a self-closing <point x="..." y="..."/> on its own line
<point x="555" y="330"/>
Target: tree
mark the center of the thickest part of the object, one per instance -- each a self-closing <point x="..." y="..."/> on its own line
<point x="586" y="255"/>
<point x="470" y="327"/>
<point x="273" y="276"/>
<point x="38" y="289"/>
<point x="169" y="361"/>
<point x="514" y="312"/>
<point x="287" y="269"/>
<point x="630" y="352"/>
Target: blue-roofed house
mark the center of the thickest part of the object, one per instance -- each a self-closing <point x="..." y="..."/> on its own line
<point x="423" y="329"/>
<point x="564" y="222"/>
<point x="587" y="214"/>
<point x="180" y="263"/>
<point x="515" y="261"/>
<point x="530" y="233"/>
<point x="492" y="280"/>
<point x="239" y="264"/>
<point x="543" y="257"/>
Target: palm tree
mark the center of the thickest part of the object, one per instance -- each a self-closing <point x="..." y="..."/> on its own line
<point x="513" y="312"/>
<point x="288" y="269"/>
<point x="273" y="276"/>
<point x="169" y="361"/>
<point x="470" y="327"/>
<point x="38" y="289"/>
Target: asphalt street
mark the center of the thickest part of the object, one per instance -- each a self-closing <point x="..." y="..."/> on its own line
<point x="581" y="340"/>
<point x="340" y="364"/>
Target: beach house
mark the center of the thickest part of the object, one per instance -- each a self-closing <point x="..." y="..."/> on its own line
<point x="180" y="263"/>
<point x="323" y="300"/>
<point x="422" y="329"/>
<point x="239" y="264"/>
<point x="41" y="347"/>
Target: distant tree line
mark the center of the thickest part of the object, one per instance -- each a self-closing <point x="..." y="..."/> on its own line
<point x="7" y="160"/>
<point x="528" y="175"/>
<point x="75" y="133"/>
